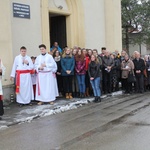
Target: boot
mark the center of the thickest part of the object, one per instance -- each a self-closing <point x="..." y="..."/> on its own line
<point x="40" y="103"/>
<point x="70" y="95"/>
<point x="80" y="95"/>
<point x="98" y="99"/>
<point x="74" y="94"/>
<point x="67" y="96"/>
<point x="83" y="95"/>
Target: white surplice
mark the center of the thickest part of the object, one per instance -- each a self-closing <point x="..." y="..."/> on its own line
<point x="46" y="83"/>
<point x="55" y="80"/>
<point x="1" y="77"/>
<point x="25" y="94"/>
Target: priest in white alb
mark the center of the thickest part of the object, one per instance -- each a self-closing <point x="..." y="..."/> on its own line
<point x="46" y="86"/>
<point x="21" y="72"/>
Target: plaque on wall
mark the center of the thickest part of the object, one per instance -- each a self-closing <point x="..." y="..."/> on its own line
<point x="21" y="10"/>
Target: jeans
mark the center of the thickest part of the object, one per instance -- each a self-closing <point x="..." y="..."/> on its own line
<point x="96" y="86"/>
<point x="81" y="83"/>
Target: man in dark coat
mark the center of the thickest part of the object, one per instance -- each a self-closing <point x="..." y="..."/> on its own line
<point x="108" y="64"/>
<point x="139" y="68"/>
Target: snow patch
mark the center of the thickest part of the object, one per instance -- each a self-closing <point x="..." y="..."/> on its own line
<point x="63" y="108"/>
<point x="28" y="114"/>
<point x="47" y="110"/>
<point x="117" y="93"/>
<point x="3" y="127"/>
<point x="26" y="119"/>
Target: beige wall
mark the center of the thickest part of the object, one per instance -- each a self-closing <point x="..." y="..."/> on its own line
<point x="6" y="38"/>
<point x="94" y="23"/>
<point x="54" y="4"/>
<point x="113" y="25"/>
<point x="27" y="32"/>
<point x="90" y="24"/>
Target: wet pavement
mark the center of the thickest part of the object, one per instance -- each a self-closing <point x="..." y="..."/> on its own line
<point x="120" y="122"/>
<point x="14" y="114"/>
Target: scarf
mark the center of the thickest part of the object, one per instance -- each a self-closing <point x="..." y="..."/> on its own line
<point x="57" y="59"/>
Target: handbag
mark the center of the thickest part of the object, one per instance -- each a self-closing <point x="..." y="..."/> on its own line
<point x="131" y="77"/>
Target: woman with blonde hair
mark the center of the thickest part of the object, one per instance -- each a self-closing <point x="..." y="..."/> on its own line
<point x="67" y="72"/>
<point x="94" y="74"/>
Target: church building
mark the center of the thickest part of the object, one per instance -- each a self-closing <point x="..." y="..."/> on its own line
<point x="88" y="24"/>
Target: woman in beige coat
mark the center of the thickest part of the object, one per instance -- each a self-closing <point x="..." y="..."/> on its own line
<point x="126" y="66"/>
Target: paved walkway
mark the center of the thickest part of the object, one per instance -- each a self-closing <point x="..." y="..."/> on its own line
<point x="15" y="114"/>
<point x="117" y="123"/>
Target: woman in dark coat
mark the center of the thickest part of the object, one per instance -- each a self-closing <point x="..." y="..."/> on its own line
<point x="94" y="74"/>
<point x="67" y="71"/>
<point x="57" y="58"/>
<point x="148" y="72"/>
<point x="116" y="72"/>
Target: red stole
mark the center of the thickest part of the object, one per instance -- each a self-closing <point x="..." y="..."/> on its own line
<point x="19" y="72"/>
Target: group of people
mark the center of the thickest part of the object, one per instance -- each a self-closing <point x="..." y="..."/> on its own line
<point x="83" y="72"/>
<point x="76" y="72"/>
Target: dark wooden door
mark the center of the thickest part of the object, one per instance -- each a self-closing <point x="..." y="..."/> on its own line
<point x="58" y="30"/>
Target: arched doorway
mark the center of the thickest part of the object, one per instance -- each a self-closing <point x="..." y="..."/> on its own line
<point x="57" y="25"/>
<point x="75" y="34"/>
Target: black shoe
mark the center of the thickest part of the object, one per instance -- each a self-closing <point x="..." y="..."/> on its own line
<point x="30" y="104"/>
<point x="0" y="118"/>
<point x="141" y="92"/>
<point x="83" y="95"/>
<point x="77" y="95"/>
<point x="105" y="92"/>
<point x="80" y="96"/>
<point x="126" y="92"/>
<point x="98" y="99"/>
<point x="21" y="105"/>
